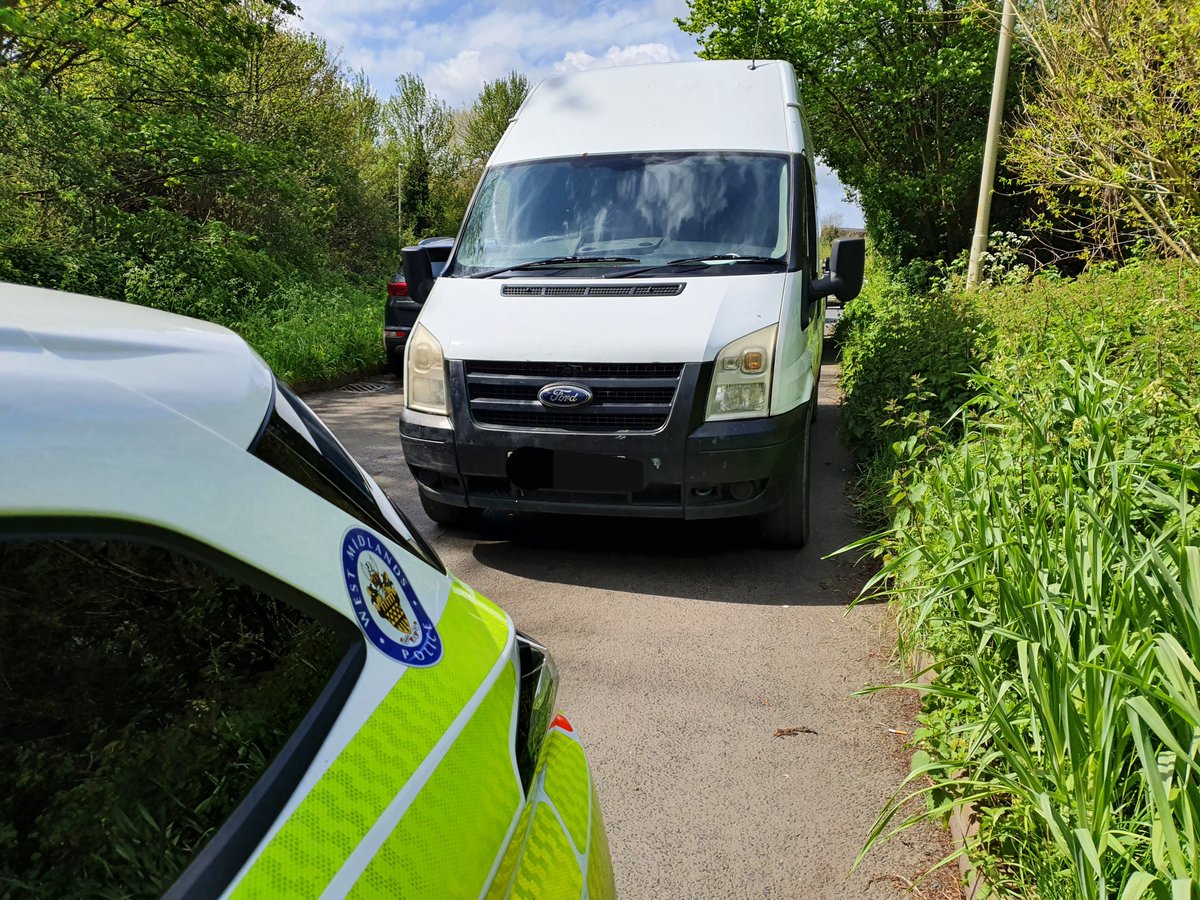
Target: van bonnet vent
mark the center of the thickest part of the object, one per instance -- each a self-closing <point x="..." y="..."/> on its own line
<point x="591" y="290"/>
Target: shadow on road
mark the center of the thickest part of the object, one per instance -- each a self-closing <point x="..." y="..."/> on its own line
<point x="722" y="560"/>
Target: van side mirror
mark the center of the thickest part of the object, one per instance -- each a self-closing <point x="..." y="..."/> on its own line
<point x="847" y="261"/>
<point x="418" y="272"/>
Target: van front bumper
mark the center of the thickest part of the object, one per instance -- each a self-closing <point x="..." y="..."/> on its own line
<point x="692" y="469"/>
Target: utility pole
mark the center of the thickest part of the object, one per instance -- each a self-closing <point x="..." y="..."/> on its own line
<point x="400" y="203"/>
<point x="983" y="214"/>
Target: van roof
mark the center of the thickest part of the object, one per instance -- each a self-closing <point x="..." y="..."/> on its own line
<point x="697" y="105"/>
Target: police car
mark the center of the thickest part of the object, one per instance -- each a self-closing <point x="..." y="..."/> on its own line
<point x="228" y="666"/>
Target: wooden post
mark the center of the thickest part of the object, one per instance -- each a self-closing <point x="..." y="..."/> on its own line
<point x="983" y="213"/>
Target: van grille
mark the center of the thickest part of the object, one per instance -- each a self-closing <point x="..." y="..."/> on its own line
<point x="626" y="396"/>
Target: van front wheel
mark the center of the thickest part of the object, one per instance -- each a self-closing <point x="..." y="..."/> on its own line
<point x="450" y="516"/>
<point x="787" y="524"/>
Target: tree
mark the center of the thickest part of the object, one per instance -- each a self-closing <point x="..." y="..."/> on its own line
<point x="831" y="226"/>
<point x="897" y="94"/>
<point x="320" y="125"/>
<point x="182" y="154"/>
<point x="420" y="129"/>
<point x="490" y="114"/>
<point x="480" y="127"/>
<point x="113" y="142"/>
<point x="1111" y="136"/>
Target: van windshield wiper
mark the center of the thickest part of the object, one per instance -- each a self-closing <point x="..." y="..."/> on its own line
<point x="700" y="260"/>
<point x="554" y="261"/>
<point x="727" y="257"/>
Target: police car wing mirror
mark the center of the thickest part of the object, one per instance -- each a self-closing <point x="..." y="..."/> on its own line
<point x="846" y="264"/>
<point x="418" y="272"/>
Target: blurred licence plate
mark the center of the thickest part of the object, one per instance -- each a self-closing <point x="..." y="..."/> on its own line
<point x="593" y="472"/>
<point x="534" y="468"/>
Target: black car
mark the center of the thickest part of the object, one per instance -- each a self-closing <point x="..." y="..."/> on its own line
<point x="401" y="312"/>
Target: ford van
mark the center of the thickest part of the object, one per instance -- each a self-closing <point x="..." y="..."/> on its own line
<point x="632" y="318"/>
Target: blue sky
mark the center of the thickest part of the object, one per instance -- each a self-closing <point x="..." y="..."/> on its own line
<point x="456" y="46"/>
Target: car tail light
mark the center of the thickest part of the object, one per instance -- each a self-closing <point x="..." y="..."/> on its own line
<point x="398" y="289"/>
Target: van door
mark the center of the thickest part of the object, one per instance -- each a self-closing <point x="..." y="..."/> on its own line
<point x="802" y="320"/>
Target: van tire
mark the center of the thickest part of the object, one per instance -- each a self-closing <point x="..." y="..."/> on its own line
<point x="450" y="516"/>
<point x="787" y="524"/>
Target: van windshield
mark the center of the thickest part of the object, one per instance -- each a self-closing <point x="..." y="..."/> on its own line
<point x="632" y="211"/>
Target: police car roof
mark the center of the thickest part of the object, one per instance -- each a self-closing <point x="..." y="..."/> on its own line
<point x="89" y="370"/>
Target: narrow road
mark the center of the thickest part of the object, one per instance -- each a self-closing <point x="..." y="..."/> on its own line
<point x="682" y="648"/>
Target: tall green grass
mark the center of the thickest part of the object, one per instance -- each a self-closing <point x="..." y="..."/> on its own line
<point x="1044" y="557"/>
<point x="313" y="332"/>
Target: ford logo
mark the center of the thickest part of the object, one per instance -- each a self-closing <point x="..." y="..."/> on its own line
<point x="564" y="396"/>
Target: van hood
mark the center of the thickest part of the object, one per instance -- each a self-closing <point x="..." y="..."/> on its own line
<point x="473" y="319"/>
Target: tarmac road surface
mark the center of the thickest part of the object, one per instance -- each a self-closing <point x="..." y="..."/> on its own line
<point x="682" y="648"/>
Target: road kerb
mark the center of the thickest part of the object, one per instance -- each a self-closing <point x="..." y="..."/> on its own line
<point x="964" y="823"/>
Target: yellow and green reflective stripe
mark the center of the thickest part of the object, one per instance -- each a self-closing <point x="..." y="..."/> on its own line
<point x="465" y="589"/>
<point x="548" y="869"/>
<point x="512" y="854"/>
<point x="540" y="861"/>
<point x="447" y="841"/>
<point x="600" y="882"/>
<point x="567" y="785"/>
<point x="320" y="835"/>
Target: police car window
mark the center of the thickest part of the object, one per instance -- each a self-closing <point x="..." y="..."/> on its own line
<point x="143" y="694"/>
<point x="298" y="444"/>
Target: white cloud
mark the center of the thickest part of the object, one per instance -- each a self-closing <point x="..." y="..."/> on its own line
<point x="632" y="55"/>
<point x="464" y="75"/>
<point x="458" y="47"/>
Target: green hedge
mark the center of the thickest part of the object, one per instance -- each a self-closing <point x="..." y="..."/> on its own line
<point x="905" y="362"/>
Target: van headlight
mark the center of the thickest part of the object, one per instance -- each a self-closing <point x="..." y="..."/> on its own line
<point x="535" y="704"/>
<point x="425" y="373"/>
<point x="741" y="382"/>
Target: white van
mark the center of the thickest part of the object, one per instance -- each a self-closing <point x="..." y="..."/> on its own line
<point x="632" y="320"/>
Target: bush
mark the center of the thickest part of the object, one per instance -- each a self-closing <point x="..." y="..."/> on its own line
<point x="905" y="366"/>
<point x="1108" y="140"/>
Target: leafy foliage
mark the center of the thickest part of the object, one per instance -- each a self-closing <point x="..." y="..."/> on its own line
<point x="489" y="116"/>
<point x="312" y="332"/>
<point x="906" y="364"/>
<point x="420" y="128"/>
<point x="897" y="93"/>
<point x="1110" y="137"/>
<point x="203" y="158"/>
<point x="176" y="142"/>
